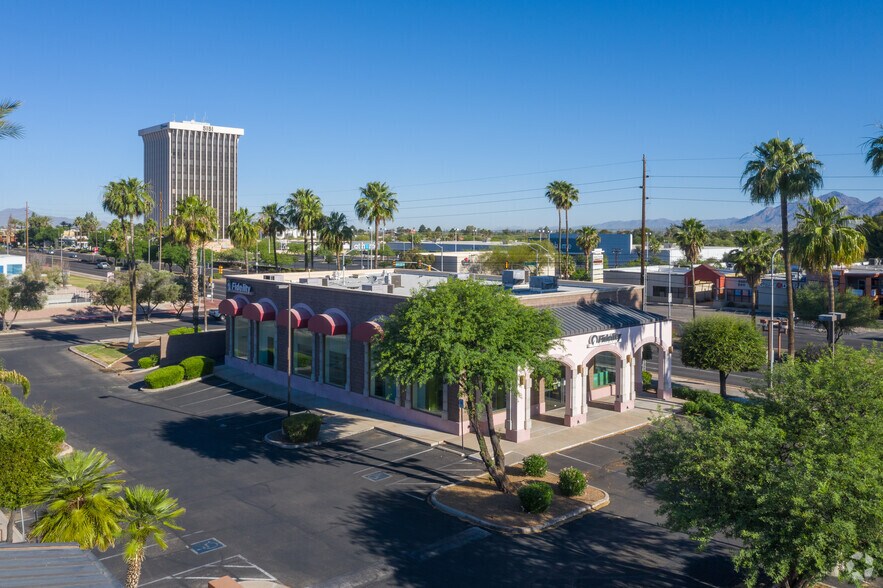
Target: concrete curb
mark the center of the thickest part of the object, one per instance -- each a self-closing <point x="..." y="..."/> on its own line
<point x="142" y="371"/>
<point x="173" y="386"/>
<point x="526" y="530"/>
<point x="285" y="445"/>
<point x="417" y="440"/>
<point x="88" y="357"/>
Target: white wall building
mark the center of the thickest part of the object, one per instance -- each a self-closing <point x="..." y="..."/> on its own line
<point x="12" y="265"/>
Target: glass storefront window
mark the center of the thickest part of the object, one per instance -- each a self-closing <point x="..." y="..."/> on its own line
<point x="302" y="353"/>
<point x="240" y="337"/>
<point x="605" y="370"/>
<point x="380" y="387"/>
<point x="428" y="396"/>
<point x="499" y="400"/>
<point x="267" y="343"/>
<point x="336" y="359"/>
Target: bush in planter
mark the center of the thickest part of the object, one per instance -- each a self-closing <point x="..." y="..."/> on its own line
<point x="197" y="366"/>
<point x="149" y="361"/>
<point x="182" y="331"/>
<point x="535" y="497"/>
<point x="164" y="376"/>
<point x="302" y="427"/>
<point x="535" y="466"/>
<point x="646" y="379"/>
<point x="571" y="482"/>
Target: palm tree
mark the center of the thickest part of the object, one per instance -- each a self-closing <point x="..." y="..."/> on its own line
<point x="8" y="377"/>
<point x="243" y="232"/>
<point x="786" y="170"/>
<point x="377" y="204"/>
<point x="126" y="199"/>
<point x="334" y="232"/>
<point x="690" y="236"/>
<point x="82" y="501"/>
<point x="587" y="239"/>
<point x="752" y="259"/>
<point x="149" y="511"/>
<point x="193" y="223"/>
<point x="271" y="222"/>
<point x="553" y="194"/>
<point x="304" y="211"/>
<point x="9" y="130"/>
<point x="875" y="153"/>
<point x="825" y="237"/>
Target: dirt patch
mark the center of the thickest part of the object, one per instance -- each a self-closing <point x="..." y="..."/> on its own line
<point x="480" y="498"/>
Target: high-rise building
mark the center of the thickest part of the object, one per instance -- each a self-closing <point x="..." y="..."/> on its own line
<point x="192" y="158"/>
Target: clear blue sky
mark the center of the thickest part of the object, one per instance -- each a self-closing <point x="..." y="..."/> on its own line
<point x="455" y="104"/>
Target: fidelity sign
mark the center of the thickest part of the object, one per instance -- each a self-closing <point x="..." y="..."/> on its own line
<point x="238" y="287"/>
<point x="604" y="338"/>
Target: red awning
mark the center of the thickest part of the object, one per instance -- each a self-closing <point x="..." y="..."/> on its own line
<point x="299" y="318"/>
<point x="259" y="311"/>
<point x="327" y="324"/>
<point x="364" y="332"/>
<point x="230" y="307"/>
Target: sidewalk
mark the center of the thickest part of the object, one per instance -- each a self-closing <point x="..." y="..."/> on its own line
<point x="344" y="420"/>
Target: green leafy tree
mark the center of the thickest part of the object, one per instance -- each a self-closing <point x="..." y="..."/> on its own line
<point x="473" y="335"/>
<point x="500" y="258"/>
<point x="723" y="343"/>
<point x="812" y="300"/>
<point x="183" y="299"/>
<point x="272" y="223"/>
<point x="796" y="478"/>
<point x="112" y="295"/>
<point x="378" y="204"/>
<point x="82" y="501"/>
<point x="334" y="232"/>
<point x="588" y="239"/>
<point x="303" y="210"/>
<point x="244" y="232"/>
<point x="752" y="261"/>
<point x="27" y="291"/>
<point x="193" y="223"/>
<point x="155" y="287"/>
<point x="27" y="439"/>
<point x="148" y="513"/>
<point x="9" y="130"/>
<point x="174" y="254"/>
<point x="127" y="199"/>
<point x="690" y="236"/>
<point x="786" y="171"/>
<point x="88" y="225"/>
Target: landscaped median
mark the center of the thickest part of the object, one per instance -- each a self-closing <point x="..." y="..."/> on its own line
<point x="103" y="354"/>
<point x="190" y="369"/>
<point x="478" y="501"/>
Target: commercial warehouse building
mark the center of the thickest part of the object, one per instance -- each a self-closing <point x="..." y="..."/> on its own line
<point x="333" y="320"/>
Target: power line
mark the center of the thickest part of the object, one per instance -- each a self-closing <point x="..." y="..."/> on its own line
<point x="617" y="201"/>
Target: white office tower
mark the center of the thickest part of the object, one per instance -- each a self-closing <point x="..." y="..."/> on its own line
<point x="192" y="158"/>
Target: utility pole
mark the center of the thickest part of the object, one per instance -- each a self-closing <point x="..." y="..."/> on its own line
<point x="27" y="243"/>
<point x="644" y="229"/>
<point x="160" y="231"/>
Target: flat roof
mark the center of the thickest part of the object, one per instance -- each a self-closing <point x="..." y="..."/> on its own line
<point x="43" y="565"/>
<point x="191" y="125"/>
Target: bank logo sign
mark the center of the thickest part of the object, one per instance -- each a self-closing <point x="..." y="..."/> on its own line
<point x="238" y="287"/>
<point x="604" y="338"/>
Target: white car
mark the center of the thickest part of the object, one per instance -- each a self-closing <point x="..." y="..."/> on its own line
<point x="102" y="265"/>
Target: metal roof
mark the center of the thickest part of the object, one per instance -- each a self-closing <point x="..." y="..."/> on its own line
<point x="43" y="565"/>
<point x="580" y="319"/>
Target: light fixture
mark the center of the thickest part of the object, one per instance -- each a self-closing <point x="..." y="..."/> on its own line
<point x="579" y="369"/>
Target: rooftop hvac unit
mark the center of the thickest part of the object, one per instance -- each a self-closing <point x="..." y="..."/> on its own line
<point x="512" y="278"/>
<point x="544" y="283"/>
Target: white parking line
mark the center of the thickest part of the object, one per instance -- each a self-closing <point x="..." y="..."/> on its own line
<point x="210" y="399"/>
<point x="339" y="455"/>
<point x="225" y="406"/>
<point x="263" y="422"/>
<point x="192" y="392"/>
<point x="233" y="416"/>
<point x="580" y="460"/>
<point x="605" y="447"/>
<point x="380" y="466"/>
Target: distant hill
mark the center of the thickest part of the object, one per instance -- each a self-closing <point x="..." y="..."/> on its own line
<point x="768" y="218"/>
<point x="19" y="214"/>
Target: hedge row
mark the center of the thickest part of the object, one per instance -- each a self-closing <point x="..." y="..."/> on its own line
<point x="302" y="427"/>
<point x="189" y="369"/>
<point x="183" y="331"/>
<point x="197" y="366"/>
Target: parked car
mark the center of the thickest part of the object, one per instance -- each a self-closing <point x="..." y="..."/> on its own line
<point x="102" y="265"/>
<point x="72" y="255"/>
<point x="215" y="314"/>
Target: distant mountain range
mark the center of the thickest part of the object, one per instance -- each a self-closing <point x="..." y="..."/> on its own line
<point x="19" y="214"/>
<point x="768" y="218"/>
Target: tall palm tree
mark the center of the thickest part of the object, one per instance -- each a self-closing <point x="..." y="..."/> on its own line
<point x="9" y="130"/>
<point x="127" y="199"/>
<point x="149" y="512"/>
<point x="304" y="211"/>
<point x="825" y="237"/>
<point x="82" y="501"/>
<point x="875" y="153"/>
<point x="587" y="239"/>
<point x="193" y="224"/>
<point x="271" y="223"/>
<point x="8" y="377"/>
<point x="783" y="169"/>
<point x="243" y="232"/>
<point x="690" y="236"/>
<point x="377" y="205"/>
<point x="752" y="260"/>
<point x="553" y="194"/>
<point x="334" y="232"/>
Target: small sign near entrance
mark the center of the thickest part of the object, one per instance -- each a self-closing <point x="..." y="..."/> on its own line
<point x="604" y="338"/>
<point x="238" y="287"/>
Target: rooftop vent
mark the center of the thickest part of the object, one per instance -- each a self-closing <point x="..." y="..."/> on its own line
<point x="544" y="283"/>
<point x="512" y="278"/>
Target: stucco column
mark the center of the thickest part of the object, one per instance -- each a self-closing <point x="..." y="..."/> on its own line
<point x="574" y="400"/>
<point x="625" y="391"/>
<point x="639" y="371"/>
<point x="663" y="369"/>
<point x="518" y="411"/>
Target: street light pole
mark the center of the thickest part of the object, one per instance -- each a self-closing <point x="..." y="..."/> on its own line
<point x="772" y="311"/>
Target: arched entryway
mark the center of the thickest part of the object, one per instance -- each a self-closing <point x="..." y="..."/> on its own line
<point x="607" y="379"/>
<point x="548" y="396"/>
<point x="652" y="357"/>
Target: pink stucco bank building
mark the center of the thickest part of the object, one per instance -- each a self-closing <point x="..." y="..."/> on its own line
<point x="607" y="342"/>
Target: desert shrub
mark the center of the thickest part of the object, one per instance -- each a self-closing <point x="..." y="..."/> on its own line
<point x="535" y="466"/>
<point x="571" y="482"/>
<point x="302" y="427"/>
<point x="148" y="362"/>
<point x="646" y="379"/>
<point x="535" y="497"/>
<point x="197" y="366"/>
<point x="182" y="331"/>
<point x="706" y="404"/>
<point x="165" y="376"/>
